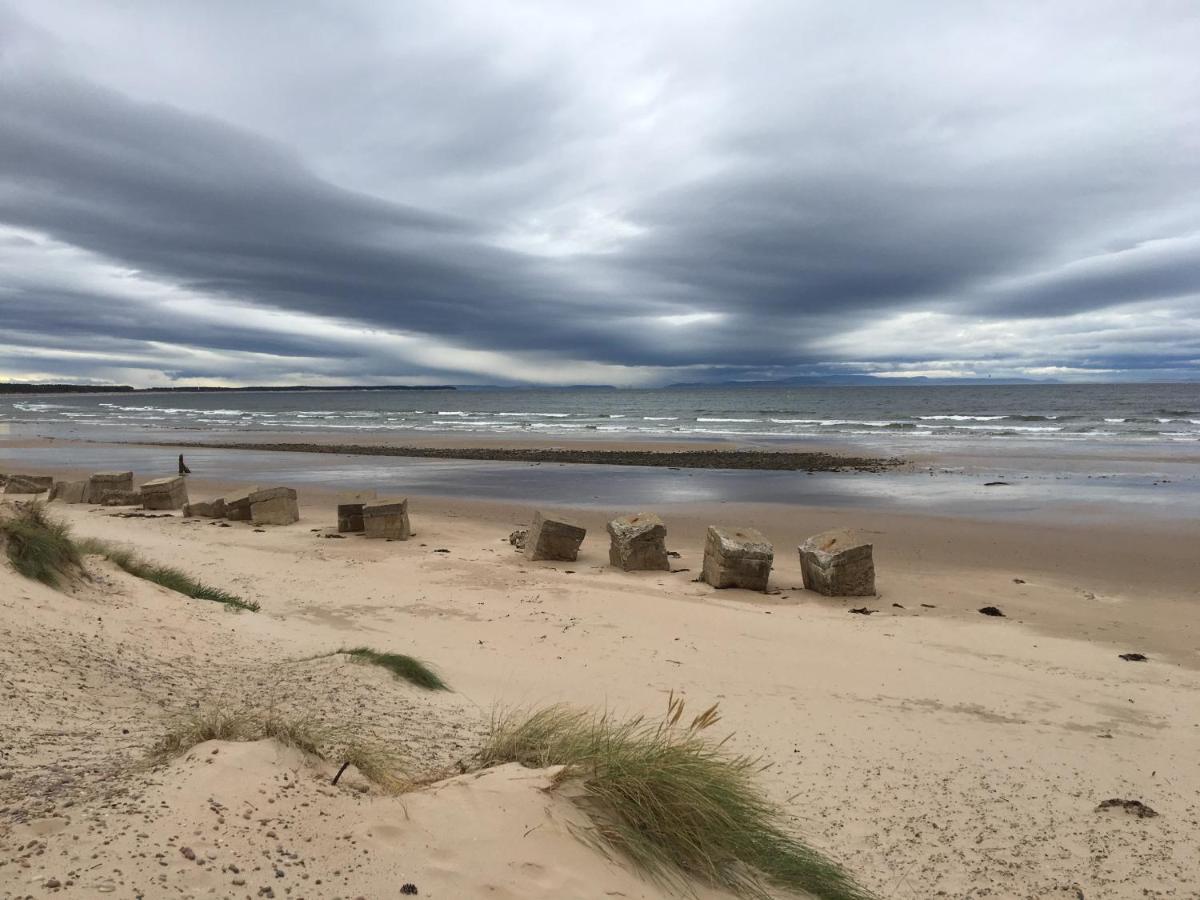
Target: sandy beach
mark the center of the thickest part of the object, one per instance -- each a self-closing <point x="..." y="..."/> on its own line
<point x="932" y="750"/>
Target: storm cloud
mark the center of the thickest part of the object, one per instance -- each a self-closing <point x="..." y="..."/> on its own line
<point x="547" y="193"/>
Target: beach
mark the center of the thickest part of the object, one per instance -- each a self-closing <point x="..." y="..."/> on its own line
<point x="932" y="750"/>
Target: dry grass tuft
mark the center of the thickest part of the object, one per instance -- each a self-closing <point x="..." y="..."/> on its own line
<point x="673" y="801"/>
<point x="376" y="763"/>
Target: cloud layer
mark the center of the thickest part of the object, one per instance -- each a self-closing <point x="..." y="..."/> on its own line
<point x="535" y="192"/>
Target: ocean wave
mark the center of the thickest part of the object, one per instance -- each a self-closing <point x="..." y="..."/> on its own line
<point x="959" y="418"/>
<point x="705" y="419"/>
<point x="660" y="418"/>
<point x="533" y="415"/>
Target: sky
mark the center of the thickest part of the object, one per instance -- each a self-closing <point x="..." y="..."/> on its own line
<point x="620" y="193"/>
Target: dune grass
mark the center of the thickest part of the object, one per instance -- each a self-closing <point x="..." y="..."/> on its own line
<point x="400" y="665"/>
<point x="216" y="722"/>
<point x="167" y="576"/>
<point x="673" y="801"/>
<point x="38" y="546"/>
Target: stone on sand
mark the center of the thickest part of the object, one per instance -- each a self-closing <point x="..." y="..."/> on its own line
<point x="553" y="537"/>
<point x="638" y="542"/>
<point x="837" y="564"/>
<point x="737" y="557"/>
<point x="350" y="512"/>
<point x="274" y="506"/>
<point x="102" y="483"/>
<point x="70" y="491"/>
<point x="28" y="484"/>
<point x="387" y="519"/>
<point x="165" y="493"/>
<point x="208" y="509"/>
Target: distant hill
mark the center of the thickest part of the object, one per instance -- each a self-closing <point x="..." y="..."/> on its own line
<point x="873" y="380"/>
<point x="13" y="388"/>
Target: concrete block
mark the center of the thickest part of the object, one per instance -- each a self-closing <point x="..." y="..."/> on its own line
<point x="237" y="506"/>
<point x="387" y="519"/>
<point x="70" y="491"/>
<point x="101" y="483"/>
<point x="837" y="564"/>
<point x="737" y="557"/>
<point x="638" y="542"/>
<point x="350" y="511"/>
<point x="165" y="493"/>
<point x="553" y="537"/>
<point x="28" y="484"/>
<point x="121" y="498"/>
<point x="208" y="509"/>
<point x="274" y="506"/>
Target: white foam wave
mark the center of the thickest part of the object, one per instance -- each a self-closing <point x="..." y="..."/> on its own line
<point x="959" y="418"/>
<point x="704" y="419"/>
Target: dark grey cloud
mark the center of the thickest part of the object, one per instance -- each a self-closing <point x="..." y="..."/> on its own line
<point x="536" y="192"/>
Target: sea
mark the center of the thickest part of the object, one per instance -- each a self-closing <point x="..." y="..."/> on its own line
<point x="904" y="416"/>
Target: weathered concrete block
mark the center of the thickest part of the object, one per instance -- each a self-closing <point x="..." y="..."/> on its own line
<point x="70" y="491"/>
<point x="387" y="519"/>
<point x="121" y="498"/>
<point x="638" y="542"/>
<point x="274" y="506"/>
<point x="837" y="564"/>
<point x="552" y="537"/>
<point x="237" y="507"/>
<point x="28" y="484"/>
<point x="350" y="511"/>
<point x="165" y="493"/>
<point x="208" y="509"/>
<point x="101" y="483"/>
<point x="737" y="557"/>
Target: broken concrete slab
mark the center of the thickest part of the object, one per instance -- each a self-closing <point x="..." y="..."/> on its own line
<point x="737" y="557"/>
<point x="838" y="564"/>
<point x="164" y="493"/>
<point x="638" y="542"/>
<point x="274" y="506"/>
<point x="553" y="537"/>
<point x="387" y="519"/>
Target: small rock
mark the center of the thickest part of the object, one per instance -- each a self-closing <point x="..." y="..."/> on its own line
<point x="992" y="611"/>
<point x="409" y="888"/>
<point x="1134" y="657"/>
<point x="187" y="852"/>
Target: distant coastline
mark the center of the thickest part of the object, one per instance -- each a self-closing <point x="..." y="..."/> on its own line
<point x="14" y="388"/>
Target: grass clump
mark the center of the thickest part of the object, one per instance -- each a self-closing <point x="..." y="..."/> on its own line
<point x="377" y="764"/>
<point x="670" y="799"/>
<point x="39" y="547"/>
<point x="167" y="576"/>
<point x="400" y="665"/>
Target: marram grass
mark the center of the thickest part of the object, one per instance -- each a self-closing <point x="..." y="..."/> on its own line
<point x="671" y="800"/>
<point x="167" y="576"/>
<point x="38" y="546"/>
<point x="216" y="722"/>
<point x="400" y="665"/>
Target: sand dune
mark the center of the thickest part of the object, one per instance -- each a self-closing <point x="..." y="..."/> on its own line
<point x="934" y="753"/>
